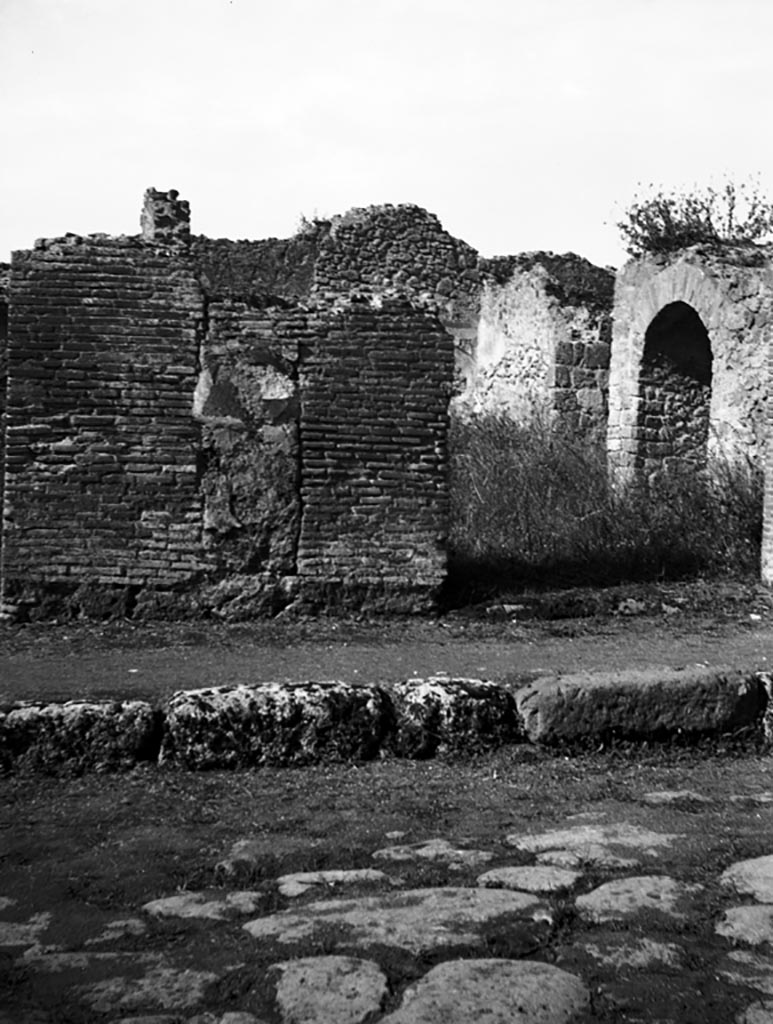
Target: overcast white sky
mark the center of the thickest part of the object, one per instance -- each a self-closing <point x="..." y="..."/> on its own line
<point x="523" y="124"/>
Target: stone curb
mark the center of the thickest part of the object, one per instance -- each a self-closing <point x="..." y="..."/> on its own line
<point x="315" y="722"/>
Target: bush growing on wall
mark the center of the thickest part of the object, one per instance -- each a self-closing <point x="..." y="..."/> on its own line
<point x="533" y="505"/>
<point x="664" y="221"/>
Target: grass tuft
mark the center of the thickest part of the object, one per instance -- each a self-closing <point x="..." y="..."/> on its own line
<point x="533" y="505"/>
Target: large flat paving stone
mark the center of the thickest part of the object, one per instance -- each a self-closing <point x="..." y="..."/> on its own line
<point x="530" y="878"/>
<point x="494" y="992"/>
<point x="301" y="882"/>
<point x="440" y="715"/>
<point x="752" y="877"/>
<point x="205" y="906"/>
<point x="617" y="845"/>
<point x="590" y="707"/>
<point x="438" y="850"/>
<point x="329" y="990"/>
<point x="417" y="920"/>
<point x="753" y="925"/>
<point x="624" y="897"/>
<point x="79" y="734"/>
<point x="275" y="724"/>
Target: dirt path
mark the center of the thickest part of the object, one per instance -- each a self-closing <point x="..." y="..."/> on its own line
<point x="76" y="661"/>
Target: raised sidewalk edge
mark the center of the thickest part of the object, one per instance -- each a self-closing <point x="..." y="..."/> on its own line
<point x="314" y="722"/>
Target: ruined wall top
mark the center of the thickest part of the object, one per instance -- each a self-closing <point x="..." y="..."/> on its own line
<point x="164" y="217"/>
<point x="569" y="278"/>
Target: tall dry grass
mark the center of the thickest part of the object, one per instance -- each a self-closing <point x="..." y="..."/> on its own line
<point x="533" y="505"/>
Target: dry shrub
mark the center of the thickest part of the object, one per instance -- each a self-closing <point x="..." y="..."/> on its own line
<point x="533" y="504"/>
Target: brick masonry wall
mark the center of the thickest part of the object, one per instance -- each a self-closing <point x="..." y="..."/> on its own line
<point x="101" y="459"/>
<point x="373" y="441"/>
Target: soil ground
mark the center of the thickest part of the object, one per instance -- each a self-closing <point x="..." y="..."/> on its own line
<point x="93" y="849"/>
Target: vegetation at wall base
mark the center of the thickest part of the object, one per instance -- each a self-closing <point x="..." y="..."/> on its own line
<point x="532" y="506"/>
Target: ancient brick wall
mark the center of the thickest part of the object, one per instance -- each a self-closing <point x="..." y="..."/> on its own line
<point x="374" y="421"/>
<point x="688" y="374"/>
<point x="543" y="341"/>
<point x="101" y="447"/>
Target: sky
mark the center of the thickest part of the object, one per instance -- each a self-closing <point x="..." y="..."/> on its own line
<point x="522" y="125"/>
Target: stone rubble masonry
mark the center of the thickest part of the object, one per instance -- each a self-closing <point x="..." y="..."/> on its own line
<point x="165" y="218"/>
<point x="543" y="344"/>
<point x="732" y="293"/>
<point x="276" y="724"/>
<point x="101" y="478"/>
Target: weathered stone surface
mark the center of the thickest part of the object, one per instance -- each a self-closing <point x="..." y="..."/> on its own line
<point x="638" y="953"/>
<point x="753" y="925"/>
<point x="494" y="991"/>
<point x="441" y="714"/>
<point x="167" y="987"/>
<point x="302" y="881"/>
<point x="24" y="933"/>
<point x="754" y="877"/>
<point x="757" y="1013"/>
<point x="274" y="723"/>
<point x="676" y="797"/>
<point x="417" y="920"/>
<point x="747" y="968"/>
<point x="602" y="845"/>
<point x="329" y="990"/>
<point x="199" y="905"/>
<point x="624" y="897"/>
<point x="542" y="878"/>
<point x="78" y="734"/>
<point x="636" y="704"/>
<point x="434" y="850"/>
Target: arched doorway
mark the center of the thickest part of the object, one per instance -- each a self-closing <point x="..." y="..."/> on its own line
<point x="674" y="391"/>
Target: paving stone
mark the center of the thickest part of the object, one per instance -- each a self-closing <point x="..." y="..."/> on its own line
<point x="167" y="987"/>
<point x="601" y="845"/>
<point x="638" y="954"/>
<point x="119" y="929"/>
<point x="435" y="850"/>
<point x="754" y="877"/>
<point x="494" y="991"/>
<point x="675" y="796"/>
<point x="530" y="879"/>
<point x="587" y="707"/>
<point x="441" y="714"/>
<point x="757" y="1013"/>
<point x="24" y="933"/>
<point x="329" y="990"/>
<point x="417" y="920"/>
<point x="198" y="904"/>
<point x="623" y="897"/>
<point x="748" y="924"/>
<point x="275" y="724"/>
<point x="750" y="969"/>
<point x="301" y="882"/>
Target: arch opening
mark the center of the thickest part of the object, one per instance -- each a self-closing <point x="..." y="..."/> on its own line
<point x="674" y="391"/>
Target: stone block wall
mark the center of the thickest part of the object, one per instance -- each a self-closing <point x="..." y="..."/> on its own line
<point x="543" y="341"/>
<point x="688" y="374"/>
<point x="375" y="391"/>
<point x="101" y="480"/>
